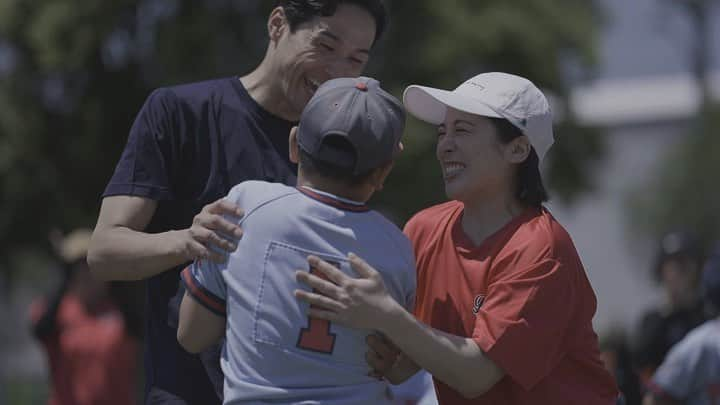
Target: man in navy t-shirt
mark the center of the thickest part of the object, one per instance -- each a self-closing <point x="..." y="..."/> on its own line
<point x="189" y="145"/>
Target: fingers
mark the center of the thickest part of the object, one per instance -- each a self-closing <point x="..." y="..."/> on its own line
<point x="361" y="267"/>
<point x="319" y="301"/>
<point x="331" y="272"/>
<point x="198" y="251"/>
<point x="324" y="314"/>
<point x="212" y="214"/>
<point x="216" y="222"/>
<point x="377" y="362"/>
<point x="321" y="286"/>
<point x="208" y="237"/>
<point x="225" y="207"/>
<point x="221" y="224"/>
<point x="383" y="347"/>
<point x="377" y="365"/>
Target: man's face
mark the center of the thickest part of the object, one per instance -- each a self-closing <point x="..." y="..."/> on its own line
<point x="321" y="49"/>
<point x="679" y="279"/>
<point x="471" y="156"/>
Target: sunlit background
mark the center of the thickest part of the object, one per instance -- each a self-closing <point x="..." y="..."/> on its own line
<point x="632" y="85"/>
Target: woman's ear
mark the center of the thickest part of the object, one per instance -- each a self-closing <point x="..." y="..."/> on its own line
<point x="518" y="149"/>
<point x="277" y="24"/>
<point x="294" y="152"/>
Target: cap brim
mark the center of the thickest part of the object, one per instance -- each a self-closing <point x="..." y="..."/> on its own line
<point x="430" y="105"/>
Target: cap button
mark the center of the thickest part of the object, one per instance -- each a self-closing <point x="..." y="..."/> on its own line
<point x="361" y="86"/>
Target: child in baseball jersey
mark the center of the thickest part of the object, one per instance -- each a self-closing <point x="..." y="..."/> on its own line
<point x="347" y="138"/>
<point x="690" y="374"/>
<point x="504" y="308"/>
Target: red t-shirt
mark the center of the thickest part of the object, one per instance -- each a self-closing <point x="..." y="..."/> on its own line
<point x="92" y="359"/>
<point x="522" y="296"/>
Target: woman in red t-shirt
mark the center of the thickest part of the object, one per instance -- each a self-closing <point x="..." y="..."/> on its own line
<point x="503" y="306"/>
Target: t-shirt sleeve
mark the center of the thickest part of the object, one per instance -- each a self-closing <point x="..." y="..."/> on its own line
<point x="204" y="281"/>
<point x="410" y="231"/>
<point x="151" y="156"/>
<point x="682" y="369"/>
<point x="411" y="284"/>
<point x="522" y="321"/>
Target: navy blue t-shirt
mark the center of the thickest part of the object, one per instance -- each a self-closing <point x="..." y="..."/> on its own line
<point x="189" y="145"/>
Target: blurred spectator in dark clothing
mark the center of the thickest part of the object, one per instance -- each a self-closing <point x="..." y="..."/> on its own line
<point x="91" y="357"/>
<point x="677" y="269"/>
<point x="615" y="352"/>
<point x="690" y="374"/>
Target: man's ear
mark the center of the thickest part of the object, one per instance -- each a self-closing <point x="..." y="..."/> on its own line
<point x="518" y="150"/>
<point x="294" y="151"/>
<point x="277" y="24"/>
<point x="380" y="175"/>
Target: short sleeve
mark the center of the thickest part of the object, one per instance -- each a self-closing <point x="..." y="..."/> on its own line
<point x="682" y="369"/>
<point x="150" y="158"/>
<point x="204" y="281"/>
<point x="522" y="321"/>
<point x="412" y="231"/>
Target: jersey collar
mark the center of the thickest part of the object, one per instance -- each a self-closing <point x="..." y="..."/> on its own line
<point x="333" y="200"/>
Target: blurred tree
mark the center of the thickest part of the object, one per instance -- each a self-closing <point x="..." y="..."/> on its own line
<point x="685" y="195"/>
<point x="443" y="43"/>
<point x="74" y="73"/>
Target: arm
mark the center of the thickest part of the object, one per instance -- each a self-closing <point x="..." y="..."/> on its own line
<point x="146" y="172"/>
<point x="455" y="360"/>
<point x="121" y="250"/>
<point x="199" y="328"/>
<point x="364" y="303"/>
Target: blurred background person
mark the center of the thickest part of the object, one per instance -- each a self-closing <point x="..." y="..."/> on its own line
<point x="677" y="270"/>
<point x="616" y="354"/>
<point x="690" y="373"/>
<point x="91" y="357"/>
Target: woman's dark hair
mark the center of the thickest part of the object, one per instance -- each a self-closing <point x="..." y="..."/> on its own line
<point x="529" y="185"/>
<point x="341" y="173"/>
<point x="678" y="246"/>
<point x="300" y="11"/>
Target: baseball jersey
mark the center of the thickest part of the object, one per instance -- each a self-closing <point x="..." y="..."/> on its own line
<point x="522" y="295"/>
<point x="189" y="145"/>
<point x="691" y="371"/>
<point x="273" y="352"/>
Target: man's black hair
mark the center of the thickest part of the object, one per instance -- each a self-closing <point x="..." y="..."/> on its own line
<point x="300" y="11"/>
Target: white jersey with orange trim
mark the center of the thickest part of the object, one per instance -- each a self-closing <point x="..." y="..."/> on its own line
<point x="273" y="352"/>
<point x="691" y="371"/>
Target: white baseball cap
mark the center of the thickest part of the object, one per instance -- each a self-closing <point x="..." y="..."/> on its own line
<point x="498" y="95"/>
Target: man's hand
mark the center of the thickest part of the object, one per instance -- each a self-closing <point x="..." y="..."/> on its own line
<point x="381" y="355"/>
<point x="211" y="228"/>
<point x="356" y="302"/>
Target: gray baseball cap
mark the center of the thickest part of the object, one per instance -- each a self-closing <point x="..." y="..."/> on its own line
<point x="361" y="112"/>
